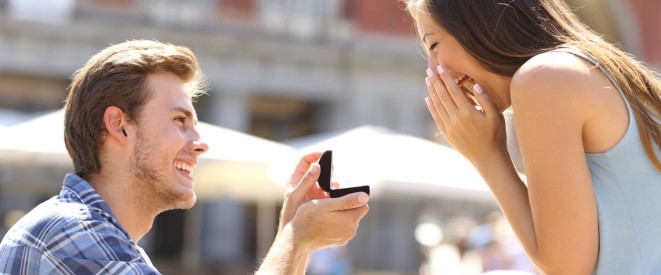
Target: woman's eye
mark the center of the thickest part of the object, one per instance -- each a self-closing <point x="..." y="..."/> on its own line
<point x="432" y="46"/>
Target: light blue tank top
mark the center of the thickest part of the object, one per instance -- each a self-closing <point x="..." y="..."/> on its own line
<point x="627" y="188"/>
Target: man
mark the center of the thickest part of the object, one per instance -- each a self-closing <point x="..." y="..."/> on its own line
<point x="130" y="131"/>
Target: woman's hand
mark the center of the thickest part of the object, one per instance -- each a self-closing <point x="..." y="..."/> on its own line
<point x="473" y="131"/>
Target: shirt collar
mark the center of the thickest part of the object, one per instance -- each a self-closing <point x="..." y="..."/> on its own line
<point x="76" y="187"/>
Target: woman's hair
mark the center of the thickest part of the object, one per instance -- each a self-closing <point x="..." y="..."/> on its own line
<point x="504" y="34"/>
<point x="117" y="77"/>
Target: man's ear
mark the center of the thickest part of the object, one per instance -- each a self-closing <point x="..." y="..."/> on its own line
<point x="115" y="121"/>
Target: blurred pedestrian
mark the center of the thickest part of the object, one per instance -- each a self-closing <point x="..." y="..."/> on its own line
<point x="334" y="260"/>
<point x="494" y="242"/>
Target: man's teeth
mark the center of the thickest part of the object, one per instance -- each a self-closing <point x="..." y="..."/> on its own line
<point x="184" y="166"/>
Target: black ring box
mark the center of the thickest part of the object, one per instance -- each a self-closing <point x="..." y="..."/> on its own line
<point x="326" y="162"/>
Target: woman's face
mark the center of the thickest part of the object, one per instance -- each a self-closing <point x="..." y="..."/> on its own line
<point x="444" y="50"/>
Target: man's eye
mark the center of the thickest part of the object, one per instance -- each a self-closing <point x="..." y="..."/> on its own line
<point x="180" y="119"/>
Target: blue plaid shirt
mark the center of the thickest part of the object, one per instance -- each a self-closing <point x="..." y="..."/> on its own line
<point x="73" y="233"/>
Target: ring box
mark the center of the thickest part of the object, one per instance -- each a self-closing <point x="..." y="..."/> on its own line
<point x="326" y="162"/>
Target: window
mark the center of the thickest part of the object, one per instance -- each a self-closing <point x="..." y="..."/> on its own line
<point x="282" y="118"/>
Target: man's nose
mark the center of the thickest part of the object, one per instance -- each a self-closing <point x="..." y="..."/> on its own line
<point x="199" y="146"/>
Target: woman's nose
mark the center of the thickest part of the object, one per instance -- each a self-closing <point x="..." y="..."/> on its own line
<point x="432" y="64"/>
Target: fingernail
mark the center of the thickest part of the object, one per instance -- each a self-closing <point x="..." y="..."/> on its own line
<point x="428" y="101"/>
<point x="427" y="81"/>
<point x="430" y="72"/>
<point x="440" y="69"/>
<point x="478" y="89"/>
<point x="313" y="170"/>
<point x="362" y="197"/>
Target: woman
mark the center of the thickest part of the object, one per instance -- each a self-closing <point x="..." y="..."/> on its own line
<point x="587" y="121"/>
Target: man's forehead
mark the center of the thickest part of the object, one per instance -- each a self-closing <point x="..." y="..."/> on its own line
<point x="169" y="93"/>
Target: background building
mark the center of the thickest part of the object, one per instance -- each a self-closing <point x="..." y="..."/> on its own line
<point x="278" y="69"/>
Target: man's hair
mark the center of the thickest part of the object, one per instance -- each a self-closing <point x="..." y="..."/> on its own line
<point x="117" y="77"/>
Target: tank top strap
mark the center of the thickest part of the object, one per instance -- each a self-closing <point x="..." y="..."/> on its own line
<point x="595" y="63"/>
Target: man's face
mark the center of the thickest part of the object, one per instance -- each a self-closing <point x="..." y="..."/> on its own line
<point x="166" y="146"/>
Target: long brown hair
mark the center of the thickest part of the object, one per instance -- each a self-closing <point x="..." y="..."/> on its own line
<point x="504" y="34"/>
<point x="116" y="77"/>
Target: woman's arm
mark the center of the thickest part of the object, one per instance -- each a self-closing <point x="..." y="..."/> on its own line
<point x="551" y="108"/>
<point x="555" y="217"/>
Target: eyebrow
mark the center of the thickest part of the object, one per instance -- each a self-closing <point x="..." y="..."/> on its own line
<point x="186" y="112"/>
<point x="424" y="36"/>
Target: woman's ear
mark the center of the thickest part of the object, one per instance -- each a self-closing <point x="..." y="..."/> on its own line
<point x="115" y="121"/>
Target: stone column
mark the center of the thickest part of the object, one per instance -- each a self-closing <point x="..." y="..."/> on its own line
<point x="230" y="110"/>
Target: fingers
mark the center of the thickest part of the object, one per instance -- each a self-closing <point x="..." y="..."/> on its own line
<point x="315" y="193"/>
<point x="319" y="226"/>
<point x="349" y="219"/>
<point x="438" y="95"/>
<point x="306" y="160"/>
<point x="350" y="201"/>
<point x="303" y="166"/>
<point x="442" y="95"/>
<point x="484" y="101"/>
<point x="436" y="109"/>
<point x="297" y="194"/>
<point x="347" y="210"/>
<point x="308" y="180"/>
<point x="458" y="98"/>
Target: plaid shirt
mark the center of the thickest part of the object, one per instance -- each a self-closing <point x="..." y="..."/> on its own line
<point x="73" y="233"/>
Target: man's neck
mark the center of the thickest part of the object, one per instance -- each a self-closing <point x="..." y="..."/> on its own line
<point x="124" y="203"/>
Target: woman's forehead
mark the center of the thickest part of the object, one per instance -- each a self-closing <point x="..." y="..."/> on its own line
<point x="426" y="25"/>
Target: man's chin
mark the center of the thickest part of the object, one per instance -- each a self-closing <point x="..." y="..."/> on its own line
<point x="191" y="202"/>
<point x="180" y="201"/>
<point x="188" y="202"/>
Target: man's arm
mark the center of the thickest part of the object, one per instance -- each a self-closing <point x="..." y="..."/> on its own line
<point x="285" y="256"/>
<point x="311" y="221"/>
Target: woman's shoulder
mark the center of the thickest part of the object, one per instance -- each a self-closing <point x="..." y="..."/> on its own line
<point x="570" y="88"/>
<point x="554" y="67"/>
<point x="558" y="81"/>
<point x="558" y="75"/>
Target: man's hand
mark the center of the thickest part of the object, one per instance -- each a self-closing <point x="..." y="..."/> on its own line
<point x="306" y="172"/>
<point x="310" y="220"/>
<point x="328" y="222"/>
<point x="311" y="207"/>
